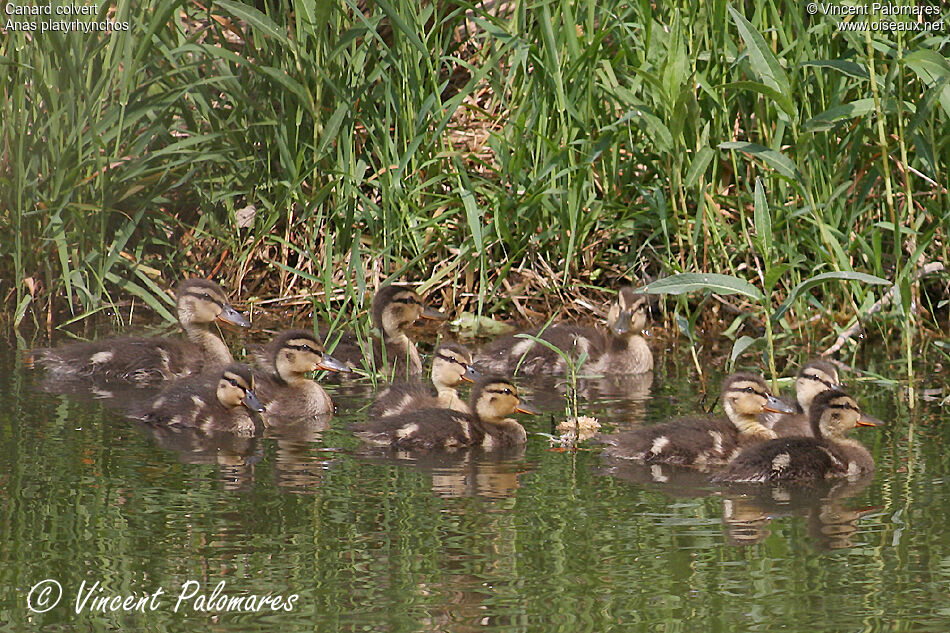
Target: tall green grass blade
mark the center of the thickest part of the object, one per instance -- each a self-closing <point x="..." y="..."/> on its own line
<point x="820" y="279"/>
<point x="714" y="282"/>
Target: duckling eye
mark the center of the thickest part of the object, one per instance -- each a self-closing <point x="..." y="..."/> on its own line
<point x="750" y="389"/>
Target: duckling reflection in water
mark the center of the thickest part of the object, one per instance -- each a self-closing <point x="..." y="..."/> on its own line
<point x="451" y="365"/>
<point x="703" y="442"/>
<point x="221" y="402"/>
<point x="620" y="350"/>
<point x="829" y="454"/>
<point x="493" y="399"/>
<point x="394" y="309"/>
<point x="151" y="360"/>
<point x="748" y="510"/>
<point x="284" y="386"/>
<point x="815" y="377"/>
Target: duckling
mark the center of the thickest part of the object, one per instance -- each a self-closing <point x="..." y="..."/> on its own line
<point x="216" y="402"/>
<point x="830" y="453"/>
<point x="451" y="365"/>
<point x="702" y="442"/>
<point x="815" y="377"/>
<point x="493" y="398"/>
<point x="151" y="360"/>
<point x="394" y="309"/>
<point x="284" y="387"/>
<point x="620" y="350"/>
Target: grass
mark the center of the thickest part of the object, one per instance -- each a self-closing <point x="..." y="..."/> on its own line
<point x="487" y="151"/>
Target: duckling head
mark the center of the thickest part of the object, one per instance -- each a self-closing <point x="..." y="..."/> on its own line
<point x="296" y="353"/>
<point x="236" y="388"/>
<point x="494" y="398"/>
<point x="200" y="301"/>
<point x="834" y="413"/>
<point x="815" y="377"/>
<point x="745" y="396"/>
<point x="628" y="312"/>
<point x="397" y="307"/>
<point x="452" y="364"/>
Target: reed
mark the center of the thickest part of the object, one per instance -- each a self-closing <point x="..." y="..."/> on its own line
<point x="313" y="149"/>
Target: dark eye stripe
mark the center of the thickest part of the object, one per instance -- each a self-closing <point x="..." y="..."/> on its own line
<point x="407" y="301"/>
<point x="817" y="378"/>
<point x="234" y="382"/>
<point x="740" y="390"/>
<point x="449" y="359"/>
<point x="302" y="348"/>
<point x="203" y="296"/>
<point x="843" y="405"/>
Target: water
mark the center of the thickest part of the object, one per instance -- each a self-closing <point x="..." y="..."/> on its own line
<point x="535" y="540"/>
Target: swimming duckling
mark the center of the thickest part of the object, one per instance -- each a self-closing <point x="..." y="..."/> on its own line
<point x="394" y="309"/>
<point x="493" y="398"/>
<point x="451" y="365"/>
<point x="151" y="360"/>
<point x="284" y="387"/>
<point x="701" y="442"/>
<point x="620" y="350"/>
<point x="815" y="377"/>
<point x="830" y="453"/>
<point x="211" y="402"/>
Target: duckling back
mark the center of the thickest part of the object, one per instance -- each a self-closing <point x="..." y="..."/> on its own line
<point x="152" y="360"/>
<point x="492" y="399"/>
<point x="826" y="455"/>
<point x="619" y="350"/>
<point x="140" y="361"/>
<point x="702" y="442"/>
<point x="423" y="429"/>
<point x="222" y="401"/>
<point x="451" y="365"/>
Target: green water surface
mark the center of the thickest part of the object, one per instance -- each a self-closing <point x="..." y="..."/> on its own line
<point x="532" y="541"/>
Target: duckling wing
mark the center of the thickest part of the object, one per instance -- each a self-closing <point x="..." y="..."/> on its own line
<point x="423" y="429"/>
<point x="693" y="442"/>
<point x="182" y="403"/>
<point x="401" y="397"/>
<point x="506" y="354"/>
<point x="135" y="360"/>
<point x="784" y="459"/>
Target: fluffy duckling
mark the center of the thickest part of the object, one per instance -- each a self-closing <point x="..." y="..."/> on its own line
<point x="830" y="453"/>
<point x="214" y="402"/>
<point x="394" y="309"/>
<point x="151" y="360"/>
<point x="284" y="387"/>
<point x="493" y="399"/>
<point x="451" y="365"/>
<point x="702" y="442"/>
<point x="620" y="350"/>
<point x="814" y="378"/>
